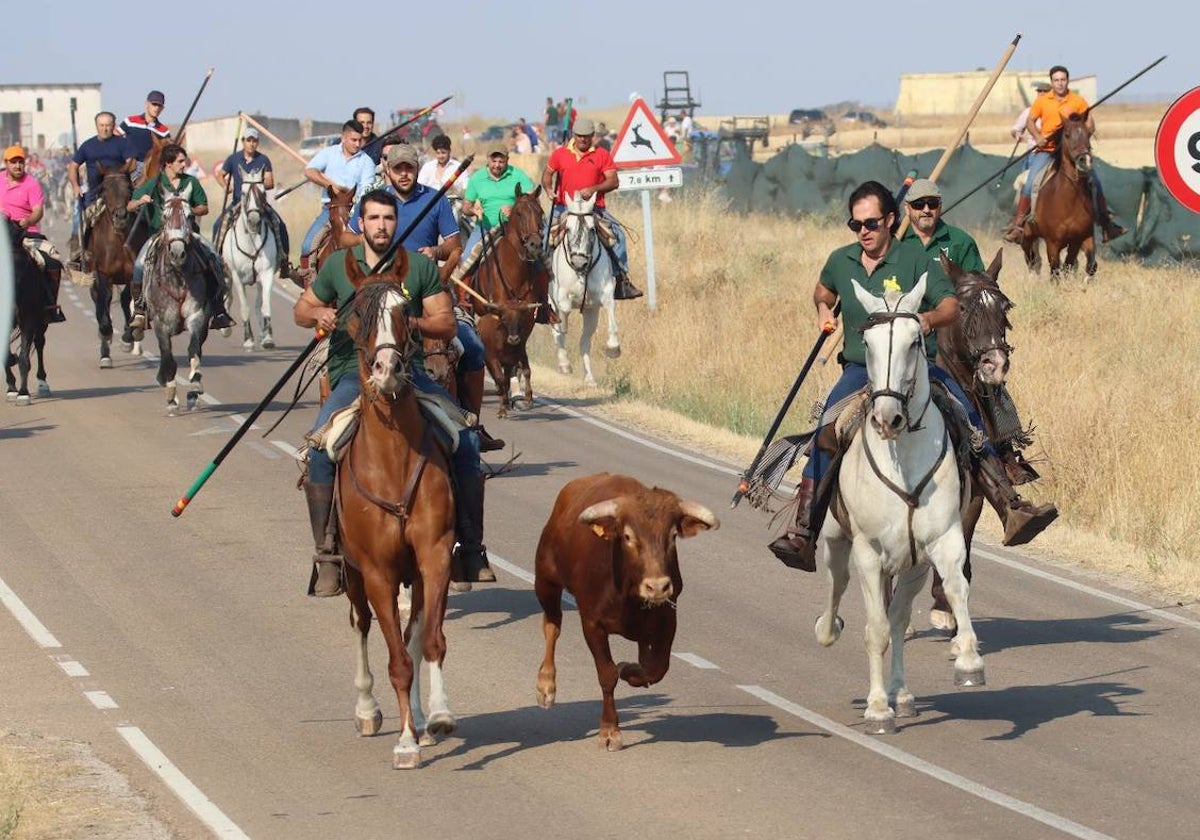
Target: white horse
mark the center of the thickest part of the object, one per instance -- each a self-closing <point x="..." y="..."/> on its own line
<point x="583" y="279"/>
<point x="899" y="501"/>
<point x="251" y="258"/>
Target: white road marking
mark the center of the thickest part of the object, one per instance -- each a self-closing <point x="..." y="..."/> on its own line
<point x="25" y="617"/>
<point x="284" y="446"/>
<point x="101" y="700"/>
<point x="72" y="668"/>
<point x="181" y="785"/>
<point x="512" y="568"/>
<point x="920" y="765"/>
<point x="697" y="661"/>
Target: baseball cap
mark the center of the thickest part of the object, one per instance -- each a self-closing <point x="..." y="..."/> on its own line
<point x="1041" y="86"/>
<point x="156" y="96"/>
<point x="583" y="125"/>
<point x="402" y="153"/>
<point x="13" y="152"/>
<point x="499" y="151"/>
<point x="250" y="132"/>
<point x="923" y="188"/>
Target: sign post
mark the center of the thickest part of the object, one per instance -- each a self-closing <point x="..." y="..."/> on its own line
<point x="1177" y="150"/>
<point x="641" y="146"/>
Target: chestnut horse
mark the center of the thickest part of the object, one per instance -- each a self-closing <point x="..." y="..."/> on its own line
<point x="396" y="516"/>
<point x="111" y="262"/>
<point x="505" y="277"/>
<point x="338" y="234"/>
<point x="1065" y="211"/>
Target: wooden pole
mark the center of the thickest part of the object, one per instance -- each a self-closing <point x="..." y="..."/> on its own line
<point x="262" y="129"/>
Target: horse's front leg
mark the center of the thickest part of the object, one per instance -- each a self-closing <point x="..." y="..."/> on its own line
<point x="1089" y="254"/>
<point x="612" y="349"/>
<point x="500" y="377"/>
<point x="560" y="340"/>
<point x="1054" y="259"/>
<point x="837" y="561"/>
<point x="39" y="345"/>
<point x="23" y="367"/>
<point x="1071" y="263"/>
<point x="102" y="297"/>
<point x="525" y="377"/>
<point x="368" y="717"/>
<point x="591" y="317"/>
<point x="909" y="583"/>
<point x="266" y="288"/>
<point x="432" y="640"/>
<point x="195" y="355"/>
<point x="381" y="593"/>
<point x="878" y="714"/>
<point x="239" y="289"/>
<point x="948" y="555"/>
<point x="167" y="368"/>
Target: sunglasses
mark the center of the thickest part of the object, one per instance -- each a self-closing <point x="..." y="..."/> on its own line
<point x="922" y="203"/>
<point x="870" y="224"/>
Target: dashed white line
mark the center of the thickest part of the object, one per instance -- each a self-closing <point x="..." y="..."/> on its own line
<point x="72" y="668"/>
<point x="697" y="661"/>
<point x="181" y="785"/>
<point x="25" y="617"/>
<point x="891" y="753"/>
<point x="101" y="700"/>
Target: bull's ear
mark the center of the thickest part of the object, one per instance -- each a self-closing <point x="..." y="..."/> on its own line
<point x="602" y="516"/>
<point x="694" y="518"/>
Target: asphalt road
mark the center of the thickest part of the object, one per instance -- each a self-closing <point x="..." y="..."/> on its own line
<point x="200" y="635"/>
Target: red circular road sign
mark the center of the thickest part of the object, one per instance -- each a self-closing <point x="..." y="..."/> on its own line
<point x="1177" y="150"/>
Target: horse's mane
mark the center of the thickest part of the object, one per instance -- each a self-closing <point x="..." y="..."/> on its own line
<point x="370" y="303"/>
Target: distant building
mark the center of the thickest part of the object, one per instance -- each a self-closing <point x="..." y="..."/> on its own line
<point x="38" y="116"/>
<point x="218" y="133"/>
<point x="939" y="94"/>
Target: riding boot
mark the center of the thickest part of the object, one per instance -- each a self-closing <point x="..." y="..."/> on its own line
<point x="472" y="401"/>
<point x="471" y="554"/>
<point x="1110" y="230"/>
<point x="1022" y="520"/>
<point x="326" y="578"/>
<point x="1019" y="470"/>
<point x="797" y="549"/>
<point x="1016" y="228"/>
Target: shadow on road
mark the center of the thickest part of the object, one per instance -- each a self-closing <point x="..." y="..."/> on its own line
<point x="512" y="605"/>
<point x="526" y="468"/>
<point x="16" y="431"/>
<point x="997" y="634"/>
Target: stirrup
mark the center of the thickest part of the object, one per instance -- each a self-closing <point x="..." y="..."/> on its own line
<point x="328" y="576"/>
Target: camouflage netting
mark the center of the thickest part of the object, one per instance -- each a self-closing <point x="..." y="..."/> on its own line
<point x="795" y="182"/>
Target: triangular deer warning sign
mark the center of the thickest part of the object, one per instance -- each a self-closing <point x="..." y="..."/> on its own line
<point x="642" y="141"/>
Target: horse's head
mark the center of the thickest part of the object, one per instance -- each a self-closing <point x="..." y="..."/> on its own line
<point x="982" y="327"/>
<point x="379" y="327"/>
<point x="525" y="223"/>
<point x="116" y="190"/>
<point x="177" y="225"/>
<point x="1075" y="142"/>
<point x="896" y="361"/>
<point x="579" y="240"/>
<point x="340" y="197"/>
<point x="254" y="197"/>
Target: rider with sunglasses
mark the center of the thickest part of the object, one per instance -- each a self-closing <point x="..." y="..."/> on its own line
<point x="924" y="204"/>
<point x="880" y="264"/>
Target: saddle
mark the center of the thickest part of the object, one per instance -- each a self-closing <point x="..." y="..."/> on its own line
<point x="445" y="417"/>
<point x="603" y="225"/>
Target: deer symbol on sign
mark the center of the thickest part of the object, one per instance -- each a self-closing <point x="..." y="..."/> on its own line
<point x="639" y="140"/>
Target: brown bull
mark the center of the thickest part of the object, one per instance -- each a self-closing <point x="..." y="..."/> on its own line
<point x="610" y="542"/>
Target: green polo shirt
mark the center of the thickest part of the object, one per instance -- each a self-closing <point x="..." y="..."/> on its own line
<point x="954" y="242"/>
<point x="494" y="193"/>
<point x="332" y="284"/>
<point x="154" y="214"/>
<point x="902" y="266"/>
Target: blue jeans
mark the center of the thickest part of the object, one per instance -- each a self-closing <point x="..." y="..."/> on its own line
<point x="474" y="239"/>
<point x="619" y="246"/>
<point x="465" y="462"/>
<point x="1039" y="161"/>
<point x="314" y="229"/>
<point x="473" y="356"/>
<point x="854" y="378"/>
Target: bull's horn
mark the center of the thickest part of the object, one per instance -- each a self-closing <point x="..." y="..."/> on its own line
<point x="699" y="512"/>
<point x="531" y="306"/>
<point x="601" y="510"/>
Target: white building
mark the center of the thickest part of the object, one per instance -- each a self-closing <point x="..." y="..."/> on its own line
<point x="38" y="116"/>
<point x="938" y="94"/>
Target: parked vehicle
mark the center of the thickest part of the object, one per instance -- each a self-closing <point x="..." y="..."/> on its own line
<point x="811" y="121"/>
<point x="494" y="132"/>
<point x="864" y="117"/>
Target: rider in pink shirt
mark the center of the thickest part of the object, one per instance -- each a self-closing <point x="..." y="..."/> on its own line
<point x="22" y="201"/>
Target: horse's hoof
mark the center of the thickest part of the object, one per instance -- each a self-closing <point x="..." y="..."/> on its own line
<point x="23" y="399"/>
<point x="105" y="363"/>
<point x="546" y="700"/>
<point x="248" y="344"/>
<point x="942" y="620"/>
<point x="268" y="343"/>
<point x="127" y="346"/>
<point x="460" y="586"/>
<point x="191" y="400"/>
<point x="426" y="740"/>
<point x="838" y="626"/>
<point x="566" y="370"/>
<point x="137" y="348"/>
<point x="369" y="726"/>
<point x="969" y="679"/>
<point x="441" y="724"/>
<point x="406" y="758"/>
<point x="43" y="388"/>
<point x="610" y="741"/>
<point x="226" y="332"/>
<point x="882" y="726"/>
<point x="906" y="708"/>
<point x="612" y="352"/>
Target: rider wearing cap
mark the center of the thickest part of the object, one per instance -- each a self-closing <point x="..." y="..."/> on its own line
<point x="249" y="161"/>
<point x="926" y="228"/>
<point x="139" y="131"/>
<point x="584" y="169"/>
<point x="105" y="150"/>
<point x="881" y="264"/>
<point x="23" y="201"/>
<point x="1046" y="117"/>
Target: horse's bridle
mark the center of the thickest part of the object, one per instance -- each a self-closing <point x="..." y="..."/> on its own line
<point x="118" y="222"/>
<point x="584" y="230"/>
<point x="405" y="352"/>
<point x="890" y="318"/>
<point x="254" y="188"/>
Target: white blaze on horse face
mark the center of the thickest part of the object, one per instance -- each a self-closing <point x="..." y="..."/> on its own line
<point x="893" y="353"/>
<point x="386" y="370"/>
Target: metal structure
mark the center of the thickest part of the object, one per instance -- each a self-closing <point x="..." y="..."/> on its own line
<point x="746" y="131"/>
<point x="677" y="95"/>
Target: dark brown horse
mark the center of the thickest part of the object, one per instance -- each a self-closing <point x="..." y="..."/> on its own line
<point x="1065" y="212"/>
<point x="111" y="261"/>
<point x="505" y="278"/>
<point x="396" y="516"/>
<point x="29" y="320"/>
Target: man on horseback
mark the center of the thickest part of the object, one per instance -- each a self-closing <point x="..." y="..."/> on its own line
<point x="173" y="181"/>
<point x="247" y="162"/>
<point x="584" y="169"/>
<point x="104" y="151"/>
<point x="23" y="202"/>
<point x="432" y="314"/>
<point x="139" y="131"/>
<point x="880" y="263"/>
<point x="489" y="197"/>
<point x="344" y="165"/>
<point x="924" y="205"/>
<point x="1046" y="117"/>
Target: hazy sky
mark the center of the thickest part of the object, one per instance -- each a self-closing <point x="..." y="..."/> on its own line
<point x="503" y="59"/>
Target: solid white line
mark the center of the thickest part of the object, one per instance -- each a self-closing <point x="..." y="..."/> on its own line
<point x="72" y="668"/>
<point x="516" y="571"/>
<point x="1088" y="590"/>
<point x="212" y="816"/>
<point x="101" y="700"/>
<point x="697" y="661"/>
<point x="922" y="766"/>
<point x="25" y="617"/>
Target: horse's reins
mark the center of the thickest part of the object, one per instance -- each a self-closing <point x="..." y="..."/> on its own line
<point x="890" y="318"/>
<point x="242" y="212"/>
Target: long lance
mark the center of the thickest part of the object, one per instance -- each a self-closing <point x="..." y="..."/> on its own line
<point x="74" y="134"/>
<point x="233" y="441"/>
<point x="744" y="484"/>
<point x="266" y="132"/>
<point x="141" y="213"/>
<point x="237" y="133"/>
<point x="999" y="173"/>
<point x="378" y="139"/>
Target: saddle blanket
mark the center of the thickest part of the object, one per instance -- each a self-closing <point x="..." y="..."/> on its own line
<point x="447" y="417"/>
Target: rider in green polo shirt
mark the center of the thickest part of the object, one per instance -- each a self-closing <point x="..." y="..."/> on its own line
<point x="924" y="205"/>
<point x="880" y="264"/>
<point x="491" y="193"/>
